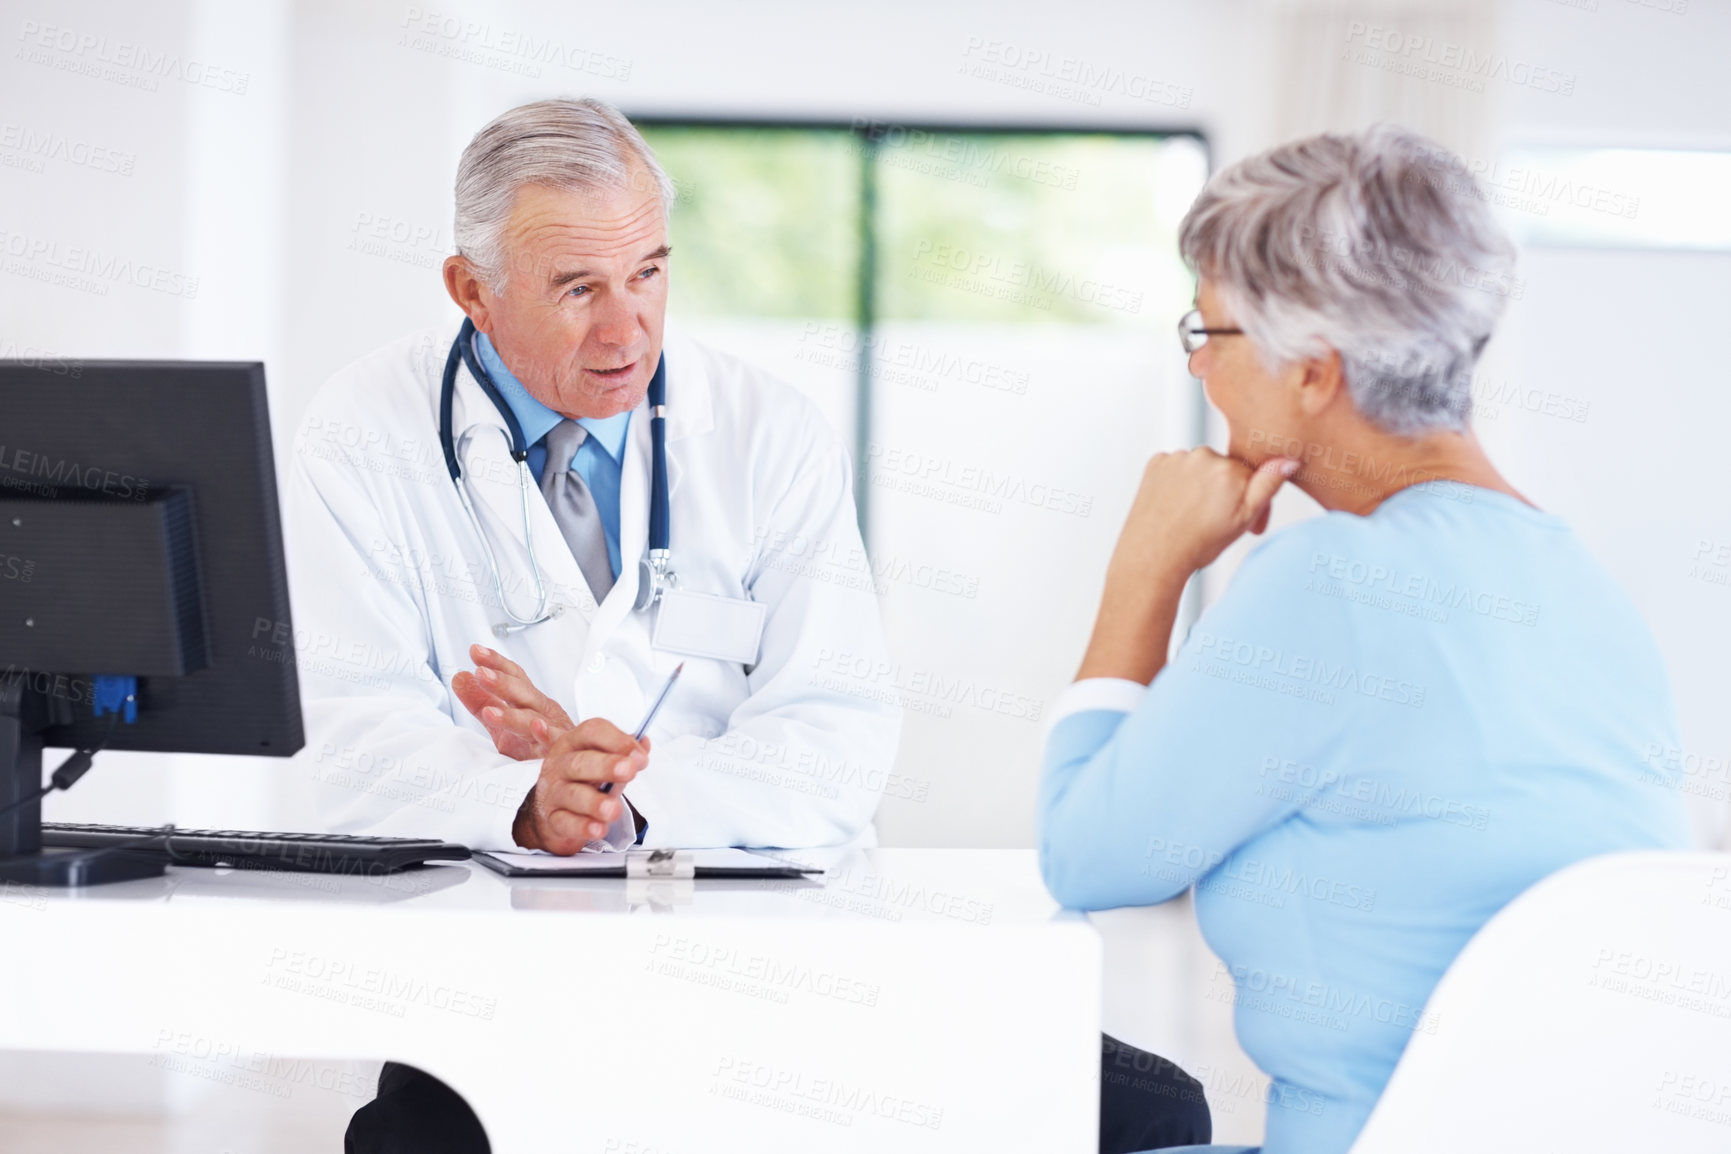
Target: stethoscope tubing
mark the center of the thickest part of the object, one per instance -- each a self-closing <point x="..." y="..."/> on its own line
<point x="657" y="571"/>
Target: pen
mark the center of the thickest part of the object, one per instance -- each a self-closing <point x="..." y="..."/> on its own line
<point x="654" y="708"/>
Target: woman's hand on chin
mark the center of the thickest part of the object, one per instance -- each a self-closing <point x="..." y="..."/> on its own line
<point x="1191" y="506"/>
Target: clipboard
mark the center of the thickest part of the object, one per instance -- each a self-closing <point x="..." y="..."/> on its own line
<point x="644" y="863"/>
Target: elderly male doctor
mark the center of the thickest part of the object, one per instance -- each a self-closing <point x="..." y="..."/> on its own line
<point x="562" y="267"/>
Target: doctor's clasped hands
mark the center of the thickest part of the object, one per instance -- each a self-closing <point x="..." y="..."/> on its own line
<point x="565" y="810"/>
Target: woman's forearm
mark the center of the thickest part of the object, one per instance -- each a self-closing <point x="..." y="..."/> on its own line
<point x="1134" y="627"/>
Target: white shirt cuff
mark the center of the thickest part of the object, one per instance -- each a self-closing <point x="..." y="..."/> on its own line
<point x="621" y="831"/>
<point x="1117" y="694"/>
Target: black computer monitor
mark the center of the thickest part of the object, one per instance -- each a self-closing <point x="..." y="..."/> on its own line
<point x="138" y="539"/>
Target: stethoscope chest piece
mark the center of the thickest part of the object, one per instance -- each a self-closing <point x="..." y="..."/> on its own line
<point x="654" y="578"/>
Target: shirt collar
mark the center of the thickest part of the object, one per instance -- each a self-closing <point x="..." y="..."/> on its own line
<point x="536" y="419"/>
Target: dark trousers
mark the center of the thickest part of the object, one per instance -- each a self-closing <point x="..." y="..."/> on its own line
<point x="1146" y="1102"/>
<point x="415" y="1113"/>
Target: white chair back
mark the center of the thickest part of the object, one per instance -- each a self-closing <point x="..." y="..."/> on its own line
<point x="1593" y="1013"/>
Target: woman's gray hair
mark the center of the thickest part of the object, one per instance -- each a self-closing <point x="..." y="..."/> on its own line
<point x="577" y="145"/>
<point x="1379" y="245"/>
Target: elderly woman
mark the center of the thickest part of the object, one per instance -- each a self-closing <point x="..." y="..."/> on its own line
<point x="1401" y="713"/>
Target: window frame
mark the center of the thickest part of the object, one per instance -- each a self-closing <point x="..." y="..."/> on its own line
<point x="868" y="136"/>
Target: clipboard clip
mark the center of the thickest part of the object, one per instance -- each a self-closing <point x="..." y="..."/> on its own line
<point x="659" y="863"/>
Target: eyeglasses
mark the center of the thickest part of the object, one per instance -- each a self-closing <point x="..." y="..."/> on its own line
<point x="1192" y="335"/>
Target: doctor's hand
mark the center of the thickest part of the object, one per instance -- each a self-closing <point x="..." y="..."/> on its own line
<point x="566" y="809"/>
<point x="522" y="721"/>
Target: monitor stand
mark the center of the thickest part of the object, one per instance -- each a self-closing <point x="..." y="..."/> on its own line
<point x="24" y="713"/>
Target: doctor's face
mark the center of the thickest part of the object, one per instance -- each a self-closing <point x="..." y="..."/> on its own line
<point x="580" y="317"/>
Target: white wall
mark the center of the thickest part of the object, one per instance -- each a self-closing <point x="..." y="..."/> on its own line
<point x="346" y="123"/>
<point x="1637" y="334"/>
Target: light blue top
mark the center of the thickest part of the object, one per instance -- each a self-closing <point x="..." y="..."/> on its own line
<point x="1387" y="728"/>
<point x="600" y="458"/>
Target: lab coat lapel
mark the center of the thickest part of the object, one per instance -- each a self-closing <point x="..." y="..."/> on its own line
<point x="484" y="453"/>
<point x="689" y="403"/>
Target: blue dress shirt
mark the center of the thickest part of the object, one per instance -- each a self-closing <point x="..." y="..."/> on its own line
<point x="599" y="460"/>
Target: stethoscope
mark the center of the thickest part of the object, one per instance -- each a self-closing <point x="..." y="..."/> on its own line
<point x="655" y="573"/>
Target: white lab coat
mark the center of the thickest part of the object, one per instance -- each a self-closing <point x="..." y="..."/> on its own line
<point x="390" y="587"/>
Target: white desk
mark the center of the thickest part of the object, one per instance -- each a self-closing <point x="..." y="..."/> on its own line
<point x="915" y="1000"/>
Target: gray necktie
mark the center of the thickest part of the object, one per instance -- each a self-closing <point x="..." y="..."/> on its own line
<point x="574" y="507"/>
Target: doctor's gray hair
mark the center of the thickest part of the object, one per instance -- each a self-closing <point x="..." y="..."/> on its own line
<point x="1379" y="245"/>
<point x="576" y="145"/>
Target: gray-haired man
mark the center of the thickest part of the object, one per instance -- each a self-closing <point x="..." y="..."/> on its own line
<point x="535" y="545"/>
<point x="481" y="497"/>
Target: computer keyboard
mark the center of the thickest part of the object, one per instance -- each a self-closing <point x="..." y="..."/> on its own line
<point x="325" y="853"/>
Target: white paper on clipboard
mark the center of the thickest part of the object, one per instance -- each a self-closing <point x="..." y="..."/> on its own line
<point x="613" y="861"/>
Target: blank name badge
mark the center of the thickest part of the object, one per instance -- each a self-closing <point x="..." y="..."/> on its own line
<point x="706" y="625"/>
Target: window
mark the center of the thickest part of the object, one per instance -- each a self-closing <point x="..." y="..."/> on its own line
<point x="1614" y="197"/>
<point x="988" y="318"/>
